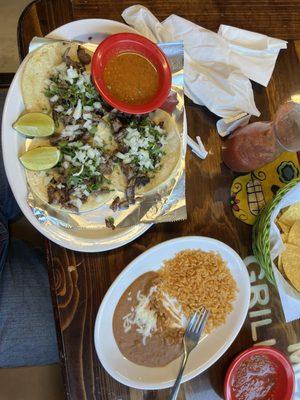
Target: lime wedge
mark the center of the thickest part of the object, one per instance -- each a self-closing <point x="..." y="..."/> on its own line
<point x="40" y="158"/>
<point x="35" y="125"/>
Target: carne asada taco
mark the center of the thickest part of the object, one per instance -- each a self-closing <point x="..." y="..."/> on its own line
<point x="148" y="151"/>
<point x="37" y="70"/>
<point x="78" y="182"/>
<point x="56" y="79"/>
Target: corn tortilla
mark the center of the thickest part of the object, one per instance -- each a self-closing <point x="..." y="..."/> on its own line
<point x="169" y="162"/>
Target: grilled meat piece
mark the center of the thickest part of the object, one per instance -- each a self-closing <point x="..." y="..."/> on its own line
<point x="130" y="191"/>
<point x="55" y="139"/>
<point x="53" y="195"/>
<point x="109" y="222"/>
<point x="58" y="196"/>
<point x="118" y="136"/>
<point x="133" y="182"/>
<point x="115" y="204"/>
<point x="123" y="205"/>
<point x="71" y="207"/>
<point x="84" y="137"/>
<point x="107" y="167"/>
<point x="67" y="119"/>
<point x="62" y="177"/>
<point x="142" y="180"/>
<point x="125" y="118"/>
<point x="119" y="204"/>
<point x="128" y="171"/>
<point x="55" y="116"/>
<point x="71" y="63"/>
<point x="64" y="196"/>
<point x="104" y="189"/>
<point x="130" y="194"/>
<point x="83" y="57"/>
<point x="97" y="116"/>
<point x="116" y="125"/>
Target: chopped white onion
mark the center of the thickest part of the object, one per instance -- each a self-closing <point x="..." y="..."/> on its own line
<point x="87" y="116"/>
<point x="60" y="186"/>
<point x="59" y="108"/>
<point x="72" y="73"/>
<point x="97" y="105"/>
<point x="78" y="110"/>
<point x="54" y="98"/>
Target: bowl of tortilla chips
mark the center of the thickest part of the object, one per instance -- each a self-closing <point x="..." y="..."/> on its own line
<point x="276" y="236"/>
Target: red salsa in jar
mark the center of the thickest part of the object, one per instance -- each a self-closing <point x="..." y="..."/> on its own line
<point x="250" y="147"/>
<point x="260" y="143"/>
<point x="255" y="379"/>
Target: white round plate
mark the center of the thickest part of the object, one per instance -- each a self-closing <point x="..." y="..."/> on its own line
<point x="13" y="143"/>
<point x="210" y="348"/>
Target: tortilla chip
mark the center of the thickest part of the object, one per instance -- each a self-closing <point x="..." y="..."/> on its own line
<point x="279" y="263"/>
<point x="291" y="264"/>
<point x="294" y="234"/>
<point x="283" y="227"/>
<point x="290" y="216"/>
<point x="284" y="237"/>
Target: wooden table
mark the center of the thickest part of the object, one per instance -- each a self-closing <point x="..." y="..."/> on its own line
<point x="79" y="281"/>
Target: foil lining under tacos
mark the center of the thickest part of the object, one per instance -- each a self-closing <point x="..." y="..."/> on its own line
<point x="102" y="149"/>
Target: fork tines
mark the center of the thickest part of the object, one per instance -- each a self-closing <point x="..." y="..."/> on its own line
<point x="197" y="321"/>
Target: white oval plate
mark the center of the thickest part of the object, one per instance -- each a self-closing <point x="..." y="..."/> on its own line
<point x="210" y="348"/>
<point x="13" y="143"/>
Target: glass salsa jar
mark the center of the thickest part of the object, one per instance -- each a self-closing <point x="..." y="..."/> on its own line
<point x="260" y="143"/>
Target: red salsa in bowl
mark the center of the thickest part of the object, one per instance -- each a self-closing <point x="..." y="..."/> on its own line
<point x="131" y="78"/>
<point x="131" y="73"/>
<point x="259" y="373"/>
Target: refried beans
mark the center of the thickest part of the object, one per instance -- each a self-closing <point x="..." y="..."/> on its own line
<point x="149" y="320"/>
<point x="159" y="348"/>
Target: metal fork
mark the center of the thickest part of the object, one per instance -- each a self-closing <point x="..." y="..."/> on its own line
<point x="191" y="338"/>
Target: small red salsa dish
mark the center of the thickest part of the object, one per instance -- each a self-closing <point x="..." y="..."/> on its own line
<point x="260" y="373"/>
<point x="131" y="73"/>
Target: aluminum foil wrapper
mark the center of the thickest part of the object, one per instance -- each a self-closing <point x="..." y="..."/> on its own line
<point x="164" y="204"/>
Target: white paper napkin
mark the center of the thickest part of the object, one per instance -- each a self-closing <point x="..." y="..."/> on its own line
<point x="253" y="53"/>
<point x="217" y="65"/>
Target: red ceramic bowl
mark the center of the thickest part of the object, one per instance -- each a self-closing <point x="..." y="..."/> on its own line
<point x="285" y="372"/>
<point x="122" y="42"/>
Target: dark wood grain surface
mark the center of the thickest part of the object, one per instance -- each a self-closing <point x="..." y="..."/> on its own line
<point x="278" y="18"/>
<point x="79" y="281"/>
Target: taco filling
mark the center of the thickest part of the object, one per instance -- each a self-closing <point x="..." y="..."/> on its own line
<point x="140" y="144"/>
<point x="102" y="149"/>
<point x="77" y="110"/>
<point x="74" y="101"/>
<point x="79" y="175"/>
